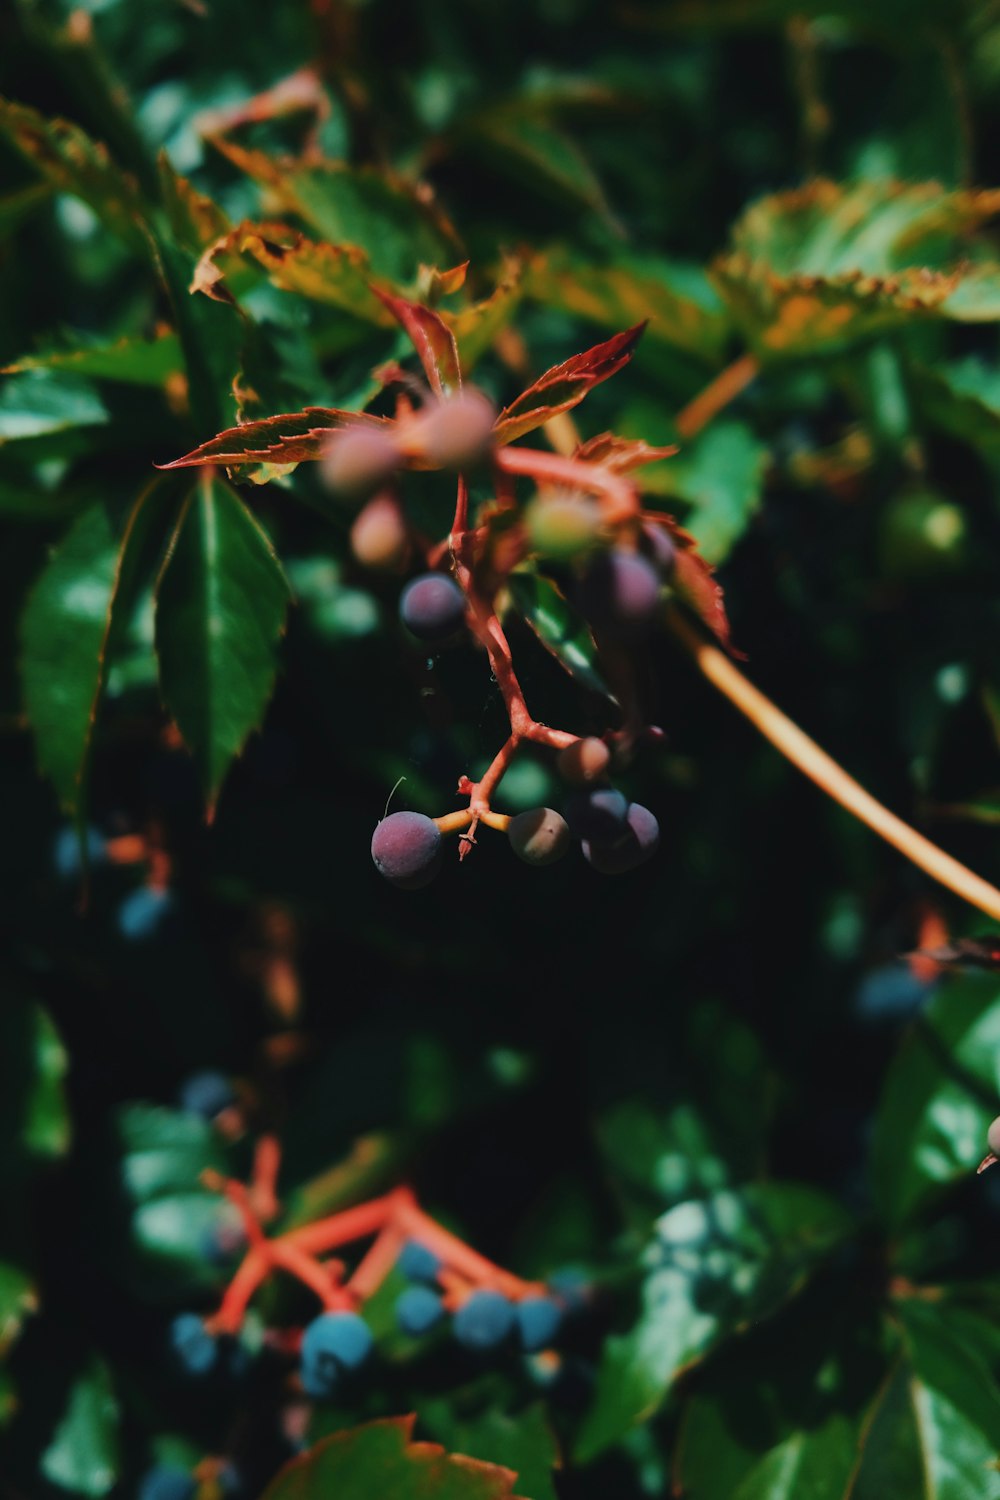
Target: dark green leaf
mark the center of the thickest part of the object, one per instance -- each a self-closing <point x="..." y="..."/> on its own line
<point x="559" y="627"/>
<point x="721" y="475"/>
<point x="939" y="1097"/>
<point x="132" y="361"/>
<point x="521" y="1440"/>
<point x="713" y="1266"/>
<point x="66" y="628"/>
<point x="380" y="1459"/>
<point x="40" y="403"/>
<point x="83" y="1456"/>
<point x="220" y="615"/>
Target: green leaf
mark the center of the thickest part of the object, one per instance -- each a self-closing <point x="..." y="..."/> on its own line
<point x="816" y="269"/>
<point x="40" y="403"/>
<point x="83" y="1456"/>
<point x="963" y="399"/>
<point x="66" y="629"/>
<point x="361" y="207"/>
<point x="380" y="1459"/>
<point x="73" y="163"/>
<point x="163" y="1153"/>
<point x="518" y="140"/>
<point x="131" y="361"/>
<point x="938" y="1098"/>
<point x="679" y="302"/>
<point x="561" y="630"/>
<point x="220" y="615"/>
<point x="934" y="1432"/>
<point x="713" y="1266"/>
<point x="17" y="1301"/>
<point x="34" y="1118"/>
<point x="521" y="1440"/>
<point x="721" y="475"/>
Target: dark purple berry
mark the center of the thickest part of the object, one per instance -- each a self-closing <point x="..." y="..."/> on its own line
<point x="432" y="607"/>
<point x="620" y="593"/>
<point x="406" y="848"/>
<point x="638" y="841"/>
<point x="597" y="814"/>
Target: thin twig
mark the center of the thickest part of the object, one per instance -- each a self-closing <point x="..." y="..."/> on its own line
<point x="814" y="762"/>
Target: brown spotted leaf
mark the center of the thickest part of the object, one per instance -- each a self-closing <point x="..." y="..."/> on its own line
<point x="289" y="438"/>
<point x="73" y="163"/>
<point x="818" y="268"/>
<point x="195" y="219"/>
<point x="381" y="1459"/>
<point x="565" y="385"/>
<point x="338" y="275"/>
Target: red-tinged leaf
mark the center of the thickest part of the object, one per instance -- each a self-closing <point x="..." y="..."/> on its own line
<point x="381" y="1460"/>
<point x="433" y="284"/>
<point x="693" y="582"/>
<point x="289" y="438"/>
<point x="621" y="454"/>
<point x="433" y="340"/>
<point x="565" y="385"/>
<point x="300" y="92"/>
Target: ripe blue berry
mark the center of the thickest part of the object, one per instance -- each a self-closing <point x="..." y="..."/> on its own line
<point x="538" y="1320"/>
<point x="597" y="814"/>
<point x="143" y="912"/>
<point x="635" y="843"/>
<point x="194" y="1349"/>
<point x="206" y="1093"/>
<point x="418" y="1263"/>
<point x="66" y="851"/>
<point x="419" y="1310"/>
<point x="432" y="607"/>
<point x="333" y="1342"/>
<point x="406" y="848"/>
<point x="620" y="593"/>
<point x="539" y="836"/>
<point x="167" y="1482"/>
<point x="484" y="1321"/>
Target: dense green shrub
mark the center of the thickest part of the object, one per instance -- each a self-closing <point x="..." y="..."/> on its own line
<point x="662" y="337"/>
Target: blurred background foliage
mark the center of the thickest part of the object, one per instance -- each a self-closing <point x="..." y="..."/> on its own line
<point x="712" y="1085"/>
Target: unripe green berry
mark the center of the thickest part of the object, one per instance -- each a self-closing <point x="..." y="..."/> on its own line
<point x="540" y="836"/>
<point x="562" y="526"/>
<point x="585" y="762"/>
<point x="993" y="1137"/>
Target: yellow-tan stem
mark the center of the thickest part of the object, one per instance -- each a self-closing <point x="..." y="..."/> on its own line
<point x="717" y="395"/>
<point x="814" y="762"/>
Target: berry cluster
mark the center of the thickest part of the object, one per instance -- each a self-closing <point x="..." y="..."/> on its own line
<point x="488" y="1308"/>
<point x="615" y="835"/>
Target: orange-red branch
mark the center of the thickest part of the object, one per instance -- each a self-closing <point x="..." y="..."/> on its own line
<point x="620" y="496"/>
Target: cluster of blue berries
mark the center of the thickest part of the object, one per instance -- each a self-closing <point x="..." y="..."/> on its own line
<point x="486" y="1320"/>
<point x="143" y="912"/>
<point x="199" y="1354"/>
<point x="172" y="1482"/>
